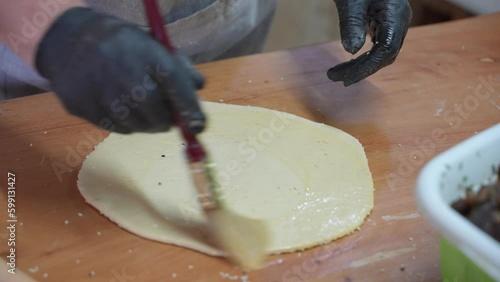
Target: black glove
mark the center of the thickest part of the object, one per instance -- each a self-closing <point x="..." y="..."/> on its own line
<point x="387" y="22"/>
<point x="106" y="71"/>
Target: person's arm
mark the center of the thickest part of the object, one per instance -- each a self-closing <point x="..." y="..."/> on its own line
<point x="105" y="69"/>
<point x="23" y="23"/>
<point x="387" y="22"/>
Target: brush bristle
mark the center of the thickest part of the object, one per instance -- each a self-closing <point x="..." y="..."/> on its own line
<point x="244" y="239"/>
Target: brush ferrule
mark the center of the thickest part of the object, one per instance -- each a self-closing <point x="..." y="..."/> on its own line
<point x="202" y="183"/>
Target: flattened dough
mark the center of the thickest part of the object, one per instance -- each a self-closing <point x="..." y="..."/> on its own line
<point x="310" y="182"/>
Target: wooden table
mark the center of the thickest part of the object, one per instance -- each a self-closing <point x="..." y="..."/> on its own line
<point x="443" y="88"/>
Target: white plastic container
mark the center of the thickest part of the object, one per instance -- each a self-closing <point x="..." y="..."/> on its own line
<point x="444" y="180"/>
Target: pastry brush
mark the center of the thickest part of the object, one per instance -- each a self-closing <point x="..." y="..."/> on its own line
<point x="243" y="239"/>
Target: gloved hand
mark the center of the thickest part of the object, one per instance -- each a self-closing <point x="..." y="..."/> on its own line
<point x="387" y="21"/>
<point x="106" y="70"/>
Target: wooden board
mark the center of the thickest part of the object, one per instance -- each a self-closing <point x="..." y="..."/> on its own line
<point x="403" y="116"/>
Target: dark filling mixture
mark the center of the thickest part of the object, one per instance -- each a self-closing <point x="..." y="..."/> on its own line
<point x="482" y="208"/>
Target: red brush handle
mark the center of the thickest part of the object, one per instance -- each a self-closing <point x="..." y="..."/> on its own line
<point x="156" y="23"/>
<point x="194" y="150"/>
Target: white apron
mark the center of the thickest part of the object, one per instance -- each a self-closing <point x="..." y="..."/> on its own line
<point x="205" y="30"/>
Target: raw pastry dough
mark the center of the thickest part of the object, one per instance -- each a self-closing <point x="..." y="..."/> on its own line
<point x="310" y="182"/>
